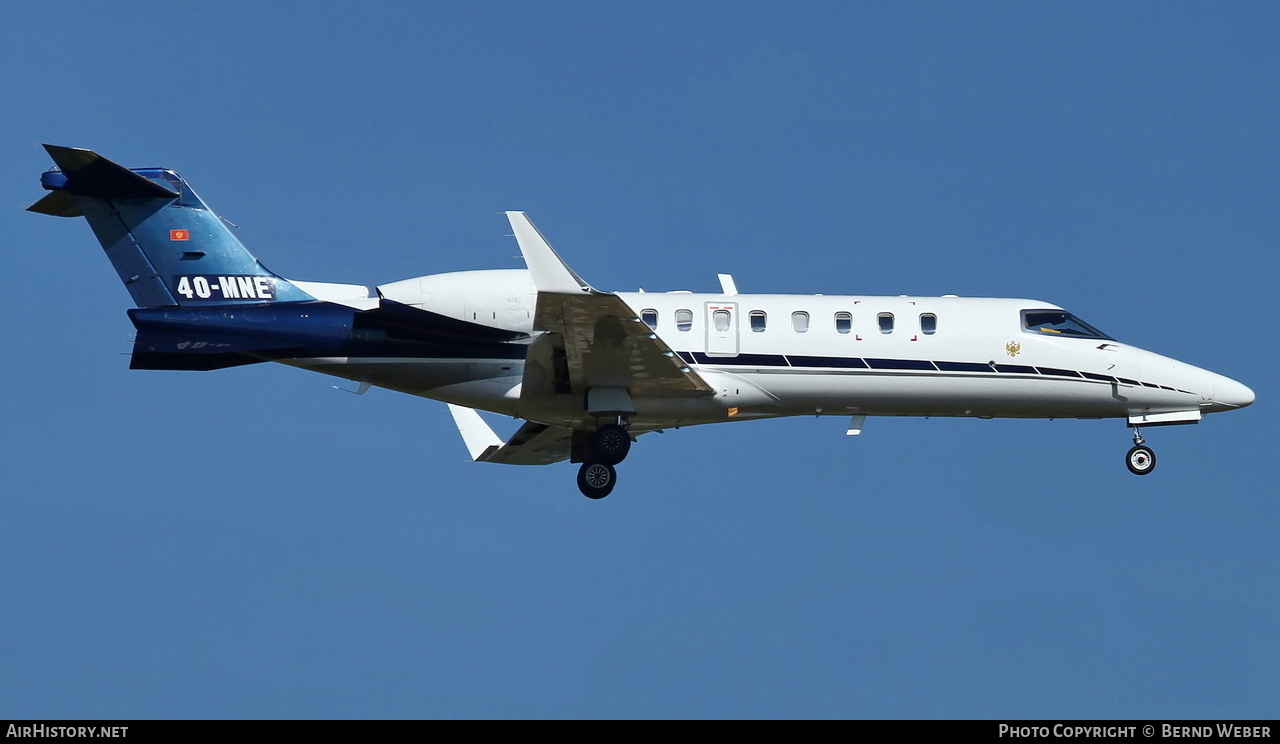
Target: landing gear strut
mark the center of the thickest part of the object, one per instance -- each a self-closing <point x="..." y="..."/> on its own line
<point x="607" y="446"/>
<point x="1140" y="460"/>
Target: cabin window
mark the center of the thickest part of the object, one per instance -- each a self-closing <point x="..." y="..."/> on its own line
<point x="720" y="320"/>
<point x="1059" y="323"/>
<point x="650" y="318"/>
<point x="800" y="321"/>
<point x="886" y="322"/>
<point x="684" y="320"/>
<point x="844" y="322"/>
<point x="758" y="319"/>
<point x="928" y="324"/>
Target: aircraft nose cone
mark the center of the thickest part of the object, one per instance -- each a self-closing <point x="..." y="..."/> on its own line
<point x="1230" y="394"/>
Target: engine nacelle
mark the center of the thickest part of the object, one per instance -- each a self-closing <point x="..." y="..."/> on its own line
<point x="501" y="298"/>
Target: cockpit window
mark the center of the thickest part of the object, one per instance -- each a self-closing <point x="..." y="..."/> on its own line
<point x="1059" y="323"/>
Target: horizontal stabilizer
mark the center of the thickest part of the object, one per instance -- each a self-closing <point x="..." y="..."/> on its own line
<point x="89" y="174"/>
<point x="57" y="204"/>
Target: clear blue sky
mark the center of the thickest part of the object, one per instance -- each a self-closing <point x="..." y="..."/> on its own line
<point x="252" y="543"/>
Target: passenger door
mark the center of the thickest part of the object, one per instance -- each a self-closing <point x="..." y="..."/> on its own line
<point x="722" y="329"/>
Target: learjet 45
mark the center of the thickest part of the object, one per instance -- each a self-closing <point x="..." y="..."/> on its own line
<point x="590" y="371"/>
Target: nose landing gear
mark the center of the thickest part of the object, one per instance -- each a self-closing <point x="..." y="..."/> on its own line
<point x="607" y="446"/>
<point x="1140" y="460"/>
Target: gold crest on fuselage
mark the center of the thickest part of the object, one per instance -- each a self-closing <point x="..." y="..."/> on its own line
<point x="1013" y="347"/>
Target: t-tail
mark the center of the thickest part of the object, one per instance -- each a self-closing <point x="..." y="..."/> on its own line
<point x="203" y="301"/>
<point x="167" y="246"/>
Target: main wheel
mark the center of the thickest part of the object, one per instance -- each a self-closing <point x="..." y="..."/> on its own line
<point x="611" y="443"/>
<point x="1141" y="460"/>
<point x="596" y="479"/>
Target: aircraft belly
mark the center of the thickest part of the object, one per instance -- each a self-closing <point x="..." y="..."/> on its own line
<point x="475" y="383"/>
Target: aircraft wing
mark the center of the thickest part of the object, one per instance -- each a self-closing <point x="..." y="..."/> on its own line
<point x="599" y="338"/>
<point x="532" y="444"/>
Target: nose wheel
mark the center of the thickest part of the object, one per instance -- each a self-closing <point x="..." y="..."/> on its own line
<point x="1140" y="460"/>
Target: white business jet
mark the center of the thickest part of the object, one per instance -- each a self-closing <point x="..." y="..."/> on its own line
<point x="590" y="371"/>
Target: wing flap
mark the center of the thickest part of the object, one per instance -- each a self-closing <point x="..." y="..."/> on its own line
<point x="534" y="444"/>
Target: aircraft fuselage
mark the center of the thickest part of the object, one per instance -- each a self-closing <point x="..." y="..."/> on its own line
<point x="781" y="355"/>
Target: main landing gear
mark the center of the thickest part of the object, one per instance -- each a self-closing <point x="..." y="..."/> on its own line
<point x="596" y="479"/>
<point x="607" y="446"/>
<point x="1140" y="460"/>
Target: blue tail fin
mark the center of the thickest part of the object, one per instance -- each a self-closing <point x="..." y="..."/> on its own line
<point x="166" y="245"/>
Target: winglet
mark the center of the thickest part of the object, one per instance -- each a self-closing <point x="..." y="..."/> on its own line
<point x="476" y="434"/>
<point x="550" y="274"/>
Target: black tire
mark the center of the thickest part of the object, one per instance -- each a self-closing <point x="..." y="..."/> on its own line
<point x="596" y="479"/>
<point x="610" y="444"/>
<point x="1140" y="460"/>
